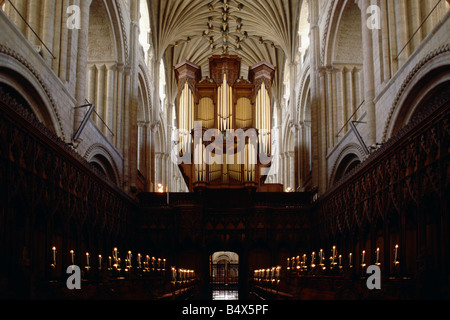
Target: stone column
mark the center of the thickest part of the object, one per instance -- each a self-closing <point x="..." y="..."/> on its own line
<point x="291" y="160"/>
<point x="91" y="77"/>
<point x="359" y="88"/>
<point x="416" y="21"/>
<point x="385" y="41"/>
<point x="284" y="170"/>
<point x="33" y="8"/>
<point x="146" y="154"/>
<point x="350" y="104"/>
<point x="317" y="125"/>
<point x="81" y="74"/>
<point x="331" y="105"/>
<point x="63" y="43"/>
<point x="48" y="16"/>
<point x="402" y="31"/>
<point x="21" y="6"/>
<point x="100" y="96"/>
<point x="109" y="99"/>
<point x="369" y="81"/>
<point x="293" y="96"/>
<point x="340" y="101"/>
<point x="118" y="115"/>
<point x="323" y="131"/>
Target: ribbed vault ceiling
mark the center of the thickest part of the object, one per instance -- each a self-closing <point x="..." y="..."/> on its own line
<point x="178" y="26"/>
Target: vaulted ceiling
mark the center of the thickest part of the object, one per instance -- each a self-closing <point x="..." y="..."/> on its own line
<point x="269" y="31"/>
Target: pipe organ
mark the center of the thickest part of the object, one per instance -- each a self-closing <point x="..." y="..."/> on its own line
<point x="234" y="115"/>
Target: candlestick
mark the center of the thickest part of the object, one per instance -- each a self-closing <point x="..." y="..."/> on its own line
<point x="115" y="256"/>
<point x="129" y="258"/>
<point x="396" y="255"/>
<point x="363" y="258"/>
<point x="54" y="256"/>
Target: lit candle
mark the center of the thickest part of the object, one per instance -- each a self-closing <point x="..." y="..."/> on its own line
<point x="115" y="256"/>
<point x="340" y="260"/>
<point x="110" y="262"/>
<point x="164" y="264"/>
<point x="350" y="259"/>
<point x="100" y="261"/>
<point x="313" y="257"/>
<point x="87" y="259"/>
<point x="304" y="261"/>
<point x="139" y="260"/>
<point x="378" y="255"/>
<point x="334" y="252"/>
<point x="363" y="258"/>
<point x="129" y="258"/>
<point x="288" y="263"/>
<point x="72" y="253"/>
<point x="54" y="256"/>
<point x="396" y="254"/>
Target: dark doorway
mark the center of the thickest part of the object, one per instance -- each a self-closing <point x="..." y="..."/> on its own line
<point x="224" y="275"/>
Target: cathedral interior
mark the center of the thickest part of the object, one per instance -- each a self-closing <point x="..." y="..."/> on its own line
<point x="224" y="149"/>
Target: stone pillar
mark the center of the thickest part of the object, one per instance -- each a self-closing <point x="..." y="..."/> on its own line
<point x="48" y="15"/>
<point x="100" y="96"/>
<point x="293" y="96"/>
<point x="323" y="131"/>
<point x="81" y="74"/>
<point x="33" y="8"/>
<point x="118" y="123"/>
<point x="91" y="80"/>
<point x="63" y="43"/>
<point x="416" y="21"/>
<point x="21" y="6"/>
<point x="331" y="105"/>
<point x="317" y="125"/>
<point x="109" y="98"/>
<point x="350" y="104"/>
<point x="358" y="88"/>
<point x="340" y="101"/>
<point x="291" y="160"/>
<point x="148" y="157"/>
<point x="385" y="41"/>
<point x="402" y="31"/>
<point x="369" y="81"/>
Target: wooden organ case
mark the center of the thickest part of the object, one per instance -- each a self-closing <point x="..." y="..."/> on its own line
<point x="224" y="125"/>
